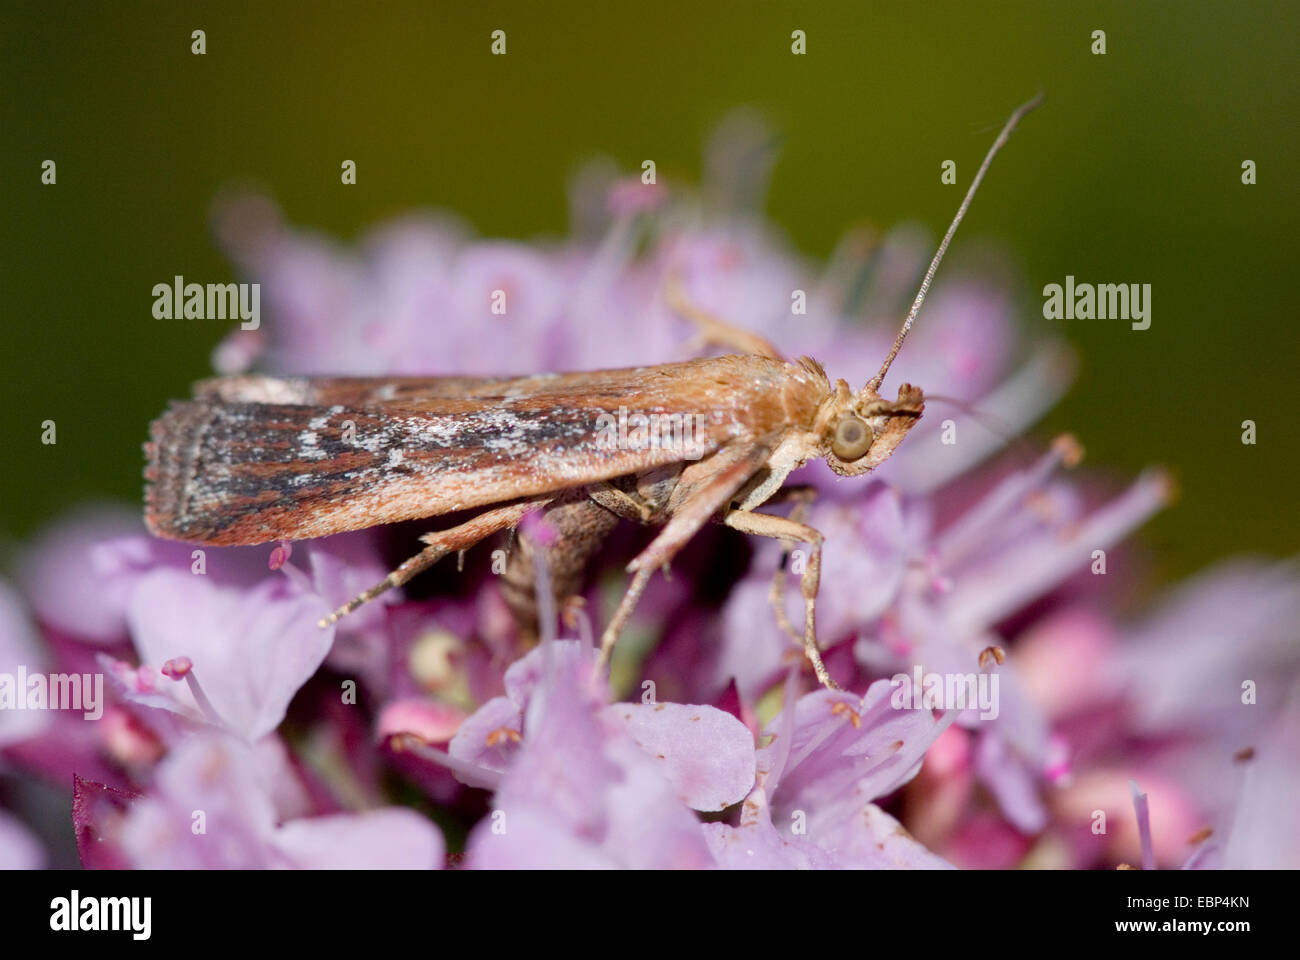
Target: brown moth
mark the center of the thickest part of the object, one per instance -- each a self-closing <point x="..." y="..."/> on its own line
<point x="253" y="459"/>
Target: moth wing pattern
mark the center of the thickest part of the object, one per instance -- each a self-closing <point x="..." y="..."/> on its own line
<point x="243" y="473"/>
<point x="255" y="459"/>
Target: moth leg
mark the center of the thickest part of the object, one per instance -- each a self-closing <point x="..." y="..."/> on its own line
<point x="781" y="528"/>
<point x="441" y="543"/>
<point x="621" y="615"/>
<point x="713" y="330"/>
<point x="572" y="609"/>
<point x="620" y="502"/>
<point x="703" y="488"/>
<point x="803" y="496"/>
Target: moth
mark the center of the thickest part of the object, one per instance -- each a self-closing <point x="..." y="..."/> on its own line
<point x="256" y="459"/>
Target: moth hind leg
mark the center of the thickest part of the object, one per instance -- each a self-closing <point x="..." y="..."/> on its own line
<point x="440" y="543"/>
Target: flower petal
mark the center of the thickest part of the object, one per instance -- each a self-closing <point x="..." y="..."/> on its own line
<point x="392" y="838"/>
<point x="706" y="753"/>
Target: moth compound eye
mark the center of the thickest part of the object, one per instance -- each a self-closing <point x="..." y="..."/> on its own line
<point x="852" y="438"/>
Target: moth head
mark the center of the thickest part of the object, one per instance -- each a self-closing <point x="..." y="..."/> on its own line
<point x="861" y="430"/>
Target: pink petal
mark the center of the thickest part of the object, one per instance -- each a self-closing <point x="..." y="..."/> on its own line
<point x="705" y="753"/>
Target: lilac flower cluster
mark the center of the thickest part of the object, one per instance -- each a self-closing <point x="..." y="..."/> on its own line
<point x="236" y="733"/>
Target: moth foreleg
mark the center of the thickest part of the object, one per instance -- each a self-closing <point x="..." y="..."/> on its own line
<point x="791" y="531"/>
<point x="442" y="542"/>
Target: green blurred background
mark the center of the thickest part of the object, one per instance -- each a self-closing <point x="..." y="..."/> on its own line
<point x="1130" y="173"/>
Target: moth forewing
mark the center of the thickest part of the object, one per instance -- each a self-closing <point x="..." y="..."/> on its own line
<point x="246" y="473"/>
<point x="258" y="459"/>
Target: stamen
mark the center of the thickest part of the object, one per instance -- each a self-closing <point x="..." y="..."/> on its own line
<point x="1029" y="569"/>
<point x="179" y="667"/>
<point x="971" y="531"/>
<point x="541" y="535"/>
<point x="1200" y="836"/>
<point x="1070" y="449"/>
<point x="575" y="618"/>
<point x="280" y="555"/>
<point x="1243" y="759"/>
<point x="501" y="734"/>
<point x="1144" y="826"/>
<point x="840" y="707"/>
<point x="468" y="773"/>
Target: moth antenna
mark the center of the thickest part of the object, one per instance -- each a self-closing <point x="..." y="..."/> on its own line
<point x="1020" y="111"/>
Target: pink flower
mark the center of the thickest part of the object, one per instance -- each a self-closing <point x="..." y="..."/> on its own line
<point x="245" y="651"/>
<point x="829" y="759"/>
<point x="20" y="849"/>
<point x="237" y="733"/>
<point x="593" y="786"/>
<point x="212" y="806"/>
